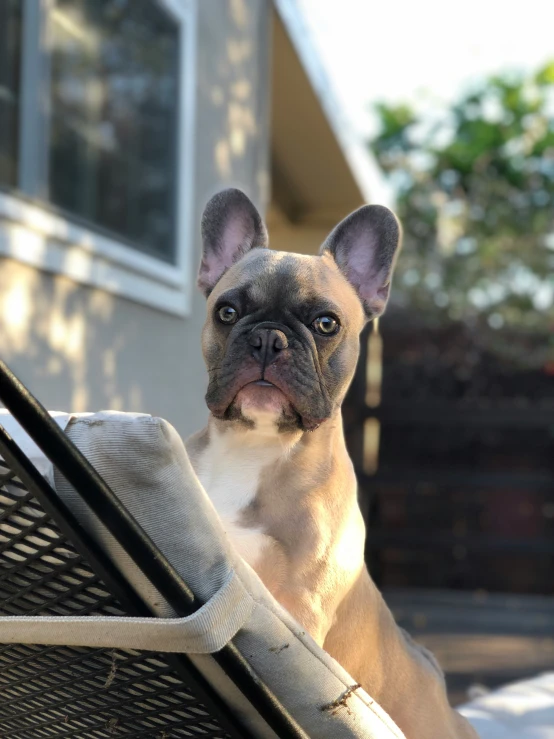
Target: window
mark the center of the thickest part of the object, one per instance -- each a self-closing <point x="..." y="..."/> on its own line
<point x="10" y="54"/>
<point x="113" y="120"/>
<point x="96" y="102"/>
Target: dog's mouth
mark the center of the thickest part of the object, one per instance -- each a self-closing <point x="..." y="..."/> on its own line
<point x="259" y="399"/>
<point x="263" y="397"/>
<point x="255" y="394"/>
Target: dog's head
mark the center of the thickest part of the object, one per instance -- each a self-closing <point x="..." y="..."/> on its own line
<point x="281" y="339"/>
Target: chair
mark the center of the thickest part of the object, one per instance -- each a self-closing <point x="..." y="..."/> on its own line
<point x="124" y="611"/>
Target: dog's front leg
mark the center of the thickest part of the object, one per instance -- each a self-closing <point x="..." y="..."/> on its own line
<point x="400" y="675"/>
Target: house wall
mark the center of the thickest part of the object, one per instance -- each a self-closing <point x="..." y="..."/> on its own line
<point x="79" y="348"/>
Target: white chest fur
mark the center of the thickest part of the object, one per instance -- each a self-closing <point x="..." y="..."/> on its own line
<point x="230" y="470"/>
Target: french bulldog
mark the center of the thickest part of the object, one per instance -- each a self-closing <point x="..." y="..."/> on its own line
<point x="281" y="342"/>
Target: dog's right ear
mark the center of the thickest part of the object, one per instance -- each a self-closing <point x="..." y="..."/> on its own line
<point x="231" y="227"/>
<point x="365" y="246"/>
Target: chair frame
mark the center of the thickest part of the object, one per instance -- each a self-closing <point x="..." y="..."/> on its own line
<point x="99" y="497"/>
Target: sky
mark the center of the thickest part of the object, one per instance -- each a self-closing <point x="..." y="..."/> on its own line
<point x="423" y="50"/>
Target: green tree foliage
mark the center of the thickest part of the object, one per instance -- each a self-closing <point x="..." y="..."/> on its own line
<point x="475" y="188"/>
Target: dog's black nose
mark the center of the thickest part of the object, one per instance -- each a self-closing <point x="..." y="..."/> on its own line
<point x="266" y="344"/>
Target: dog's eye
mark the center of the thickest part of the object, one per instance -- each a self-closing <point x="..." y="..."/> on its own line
<point x="227" y="314"/>
<point x="326" y="325"/>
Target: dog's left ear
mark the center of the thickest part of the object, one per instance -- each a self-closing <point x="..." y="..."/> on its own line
<point x="231" y="226"/>
<point x="364" y="245"/>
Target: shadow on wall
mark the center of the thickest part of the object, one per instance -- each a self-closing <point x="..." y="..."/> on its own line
<point x="233" y="94"/>
<point x="61" y="336"/>
<point x="80" y="348"/>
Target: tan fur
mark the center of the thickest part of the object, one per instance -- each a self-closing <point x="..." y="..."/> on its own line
<point x="296" y="518"/>
<point x="314" y="566"/>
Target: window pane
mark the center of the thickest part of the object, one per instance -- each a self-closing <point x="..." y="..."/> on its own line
<point x="10" y="52"/>
<point x="113" y="117"/>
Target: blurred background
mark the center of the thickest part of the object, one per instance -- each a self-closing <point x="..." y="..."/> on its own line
<point x="120" y="118"/>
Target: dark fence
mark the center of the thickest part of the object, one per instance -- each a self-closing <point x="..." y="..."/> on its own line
<point x="459" y="492"/>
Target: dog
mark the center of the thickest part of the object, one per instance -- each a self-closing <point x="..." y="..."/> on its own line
<point x="281" y="343"/>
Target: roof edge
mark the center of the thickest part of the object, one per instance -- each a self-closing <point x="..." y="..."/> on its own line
<point x="363" y="166"/>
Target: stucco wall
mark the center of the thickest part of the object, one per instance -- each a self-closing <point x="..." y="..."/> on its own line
<point x="82" y="349"/>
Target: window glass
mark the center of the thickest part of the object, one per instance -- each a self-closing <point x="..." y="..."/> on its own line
<point x="10" y="53"/>
<point x="113" y="117"/>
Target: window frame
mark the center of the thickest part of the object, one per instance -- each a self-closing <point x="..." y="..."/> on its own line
<point x="37" y="233"/>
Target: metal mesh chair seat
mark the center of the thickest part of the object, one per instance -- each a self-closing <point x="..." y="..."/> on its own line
<point x="77" y="692"/>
